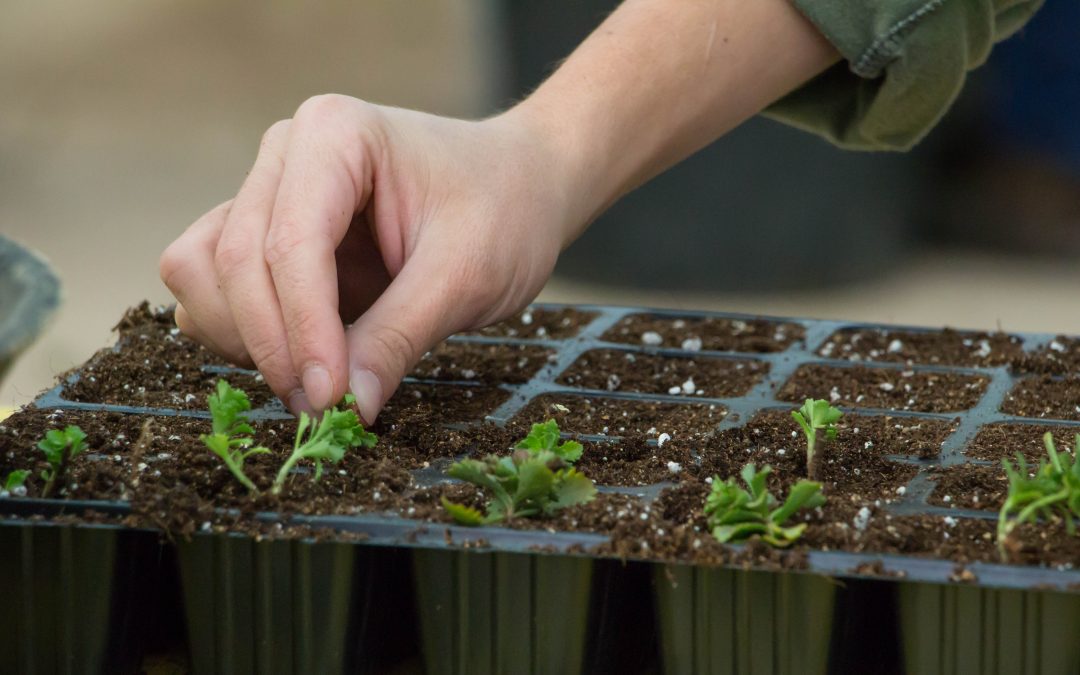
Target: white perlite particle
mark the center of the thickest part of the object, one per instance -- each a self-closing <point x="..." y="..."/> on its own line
<point x="651" y="338"/>
<point x="886" y="386"/>
<point x="674" y="391"/>
<point x="984" y="349"/>
<point x="901" y="490"/>
<point x="1057" y="347"/>
<point x="688" y="387"/>
<point x="950" y="521"/>
<point x="674" y="467"/>
<point x="664" y="438"/>
<point x="861" y="519"/>
<point x="895" y="346"/>
<point x="692" y="344"/>
<point x="613" y="382"/>
<point x="526" y="319"/>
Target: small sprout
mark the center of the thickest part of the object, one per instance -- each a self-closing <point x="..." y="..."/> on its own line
<point x="15" y="480"/>
<point x="231" y="439"/>
<point x="546" y="437"/>
<point x="337" y="431"/>
<point x="735" y="514"/>
<point x="816" y="415"/>
<point x="60" y="447"/>
<point x="1053" y="493"/>
<point x="537" y="479"/>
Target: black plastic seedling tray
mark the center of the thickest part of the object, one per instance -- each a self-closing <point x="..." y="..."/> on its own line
<point x="495" y="599"/>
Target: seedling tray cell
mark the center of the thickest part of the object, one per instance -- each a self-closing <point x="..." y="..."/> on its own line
<point x="662" y="400"/>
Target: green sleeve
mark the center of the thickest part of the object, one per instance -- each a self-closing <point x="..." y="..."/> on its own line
<point x="904" y="64"/>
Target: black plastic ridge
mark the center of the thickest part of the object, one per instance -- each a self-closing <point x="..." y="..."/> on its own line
<point x="381" y="529"/>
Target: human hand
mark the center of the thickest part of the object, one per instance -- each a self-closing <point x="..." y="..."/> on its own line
<point x="363" y="236"/>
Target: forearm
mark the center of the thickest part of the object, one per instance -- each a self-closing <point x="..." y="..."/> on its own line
<point x="660" y="79"/>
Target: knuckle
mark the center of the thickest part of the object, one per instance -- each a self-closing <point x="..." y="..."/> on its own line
<point x="281" y="241"/>
<point x="323" y="107"/>
<point x="229" y="256"/>
<point x="173" y="265"/>
<point x="276" y="133"/>
<point x="272" y="358"/>
<point x="397" y="348"/>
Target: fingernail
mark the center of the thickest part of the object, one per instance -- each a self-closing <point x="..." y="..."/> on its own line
<point x="367" y="389"/>
<point x="318" y="387"/>
<point x="298" y="402"/>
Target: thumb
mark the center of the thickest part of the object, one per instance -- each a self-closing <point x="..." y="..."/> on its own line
<point x="411" y="316"/>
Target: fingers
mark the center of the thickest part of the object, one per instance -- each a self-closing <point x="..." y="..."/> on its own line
<point x="324" y="182"/>
<point x="415" y="312"/>
<point x="187" y="269"/>
<point x="245" y="280"/>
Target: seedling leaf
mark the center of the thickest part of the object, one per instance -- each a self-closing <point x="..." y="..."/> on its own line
<point x="463" y="515"/>
<point x="546" y="437"/>
<point x="337" y="431"/>
<point x="16" y="479"/>
<point x="815" y="415"/>
<point x="535" y="479"/>
<point x="735" y="514"/>
<point x="1052" y="493"/>
<point x="60" y="447"/>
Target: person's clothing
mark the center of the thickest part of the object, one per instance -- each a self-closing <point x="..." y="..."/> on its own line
<point x="904" y="64"/>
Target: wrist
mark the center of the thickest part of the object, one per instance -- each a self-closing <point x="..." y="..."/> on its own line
<point x="571" y="164"/>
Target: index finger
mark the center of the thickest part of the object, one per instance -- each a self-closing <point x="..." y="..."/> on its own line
<point x="324" y="183"/>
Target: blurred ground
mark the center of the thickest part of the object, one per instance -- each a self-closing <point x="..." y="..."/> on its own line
<point x="122" y="121"/>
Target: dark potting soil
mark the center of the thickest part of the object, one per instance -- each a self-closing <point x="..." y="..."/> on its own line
<point x="887" y="388"/>
<point x="1061" y="356"/>
<point x="696" y="333"/>
<point x="617" y="416"/>
<point x="459" y="361"/>
<point x="947" y="347"/>
<point x="970" y="486"/>
<point x="173" y="482"/>
<point x="855" y="462"/>
<point x="155" y="366"/>
<point x="995" y="442"/>
<point x="536" y="322"/>
<point x="430" y="405"/>
<point x="1045" y="396"/>
<point x="616" y="370"/>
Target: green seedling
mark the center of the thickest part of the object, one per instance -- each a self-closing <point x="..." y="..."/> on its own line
<point x="337" y="431"/>
<point x="1053" y="493"/>
<point x="15" y="480"/>
<point x="816" y="415"/>
<point x="60" y="447"/>
<point x="546" y="437"/>
<point x="735" y="514"/>
<point x="231" y="438"/>
<point x="536" y="479"/>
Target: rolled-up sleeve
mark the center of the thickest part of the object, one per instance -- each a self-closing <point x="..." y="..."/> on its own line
<point x="905" y="62"/>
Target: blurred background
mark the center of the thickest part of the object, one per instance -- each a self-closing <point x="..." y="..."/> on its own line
<point x="121" y="121"/>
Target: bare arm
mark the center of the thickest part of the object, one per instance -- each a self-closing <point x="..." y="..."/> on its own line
<point x="364" y="234"/>
<point x="659" y="80"/>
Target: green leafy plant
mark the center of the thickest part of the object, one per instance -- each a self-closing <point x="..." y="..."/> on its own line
<point x="15" y="480"/>
<point x="816" y="415"/>
<point x="546" y="437"/>
<point x="337" y="431"/>
<point x="1053" y="493"/>
<point x="735" y="514"/>
<point x="60" y="447"/>
<point x="536" y="479"/>
<point x="231" y="438"/>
